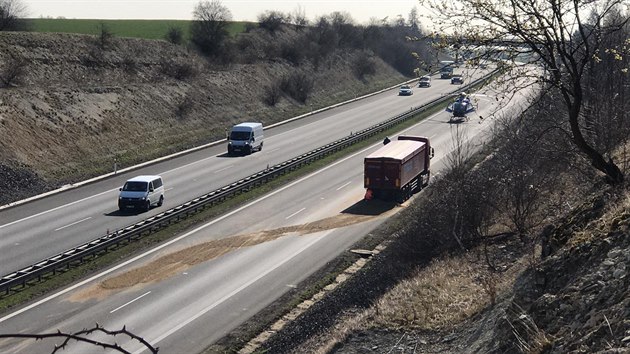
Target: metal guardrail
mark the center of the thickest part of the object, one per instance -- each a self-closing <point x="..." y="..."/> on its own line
<point x="102" y="244"/>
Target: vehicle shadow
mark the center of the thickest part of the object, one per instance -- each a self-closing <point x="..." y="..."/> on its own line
<point x="230" y="156"/>
<point x="370" y="207"/>
<point x="119" y="212"/>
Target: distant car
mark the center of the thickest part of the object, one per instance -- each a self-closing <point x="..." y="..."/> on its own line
<point x="405" y="90"/>
<point x="457" y="80"/>
<point x="424" y="81"/>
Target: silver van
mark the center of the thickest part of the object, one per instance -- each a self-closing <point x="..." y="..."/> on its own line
<point x="141" y="192"/>
<point x="245" y="138"/>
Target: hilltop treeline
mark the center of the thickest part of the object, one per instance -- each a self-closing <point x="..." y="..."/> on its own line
<point x="292" y="38"/>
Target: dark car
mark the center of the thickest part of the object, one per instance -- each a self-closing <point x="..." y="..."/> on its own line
<point x="457" y="80"/>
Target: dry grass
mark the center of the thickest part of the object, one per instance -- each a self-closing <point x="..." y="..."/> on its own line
<point x="616" y="217"/>
<point x="438" y="297"/>
<point x="445" y="292"/>
<point x="326" y="342"/>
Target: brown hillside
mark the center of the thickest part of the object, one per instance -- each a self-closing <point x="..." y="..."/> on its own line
<point x="65" y="117"/>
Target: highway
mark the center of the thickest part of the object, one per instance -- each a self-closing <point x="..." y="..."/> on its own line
<point x="37" y="230"/>
<point x="185" y="294"/>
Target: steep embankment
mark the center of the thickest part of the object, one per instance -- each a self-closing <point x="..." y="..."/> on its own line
<point x="79" y="104"/>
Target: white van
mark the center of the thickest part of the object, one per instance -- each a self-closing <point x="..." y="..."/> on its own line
<point x="141" y="192"/>
<point x="245" y="138"/>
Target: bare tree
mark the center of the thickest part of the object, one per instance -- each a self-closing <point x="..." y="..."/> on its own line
<point x="105" y="36"/>
<point x="461" y="152"/>
<point x="563" y="37"/>
<point x="209" y="26"/>
<point x="11" y="14"/>
<point x="272" y="21"/>
<point x="298" y="18"/>
<point x="414" y="19"/>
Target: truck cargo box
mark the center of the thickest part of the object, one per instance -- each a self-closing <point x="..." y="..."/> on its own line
<point x="397" y="166"/>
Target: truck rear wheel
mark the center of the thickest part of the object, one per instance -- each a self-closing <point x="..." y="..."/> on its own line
<point x="425" y="179"/>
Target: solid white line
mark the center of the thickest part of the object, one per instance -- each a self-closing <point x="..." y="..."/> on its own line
<point x="192" y="232"/>
<point x="223" y="169"/>
<point x="195" y="149"/>
<point x="138" y="298"/>
<point x="74" y="223"/>
<point x="226" y="297"/>
<point x="294" y="214"/>
<point x="179" y="238"/>
<point x="57" y="208"/>
<point x="345" y="185"/>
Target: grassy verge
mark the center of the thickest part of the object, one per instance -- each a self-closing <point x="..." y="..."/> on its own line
<point x="146" y="29"/>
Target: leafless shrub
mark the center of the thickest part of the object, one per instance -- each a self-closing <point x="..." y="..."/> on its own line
<point x="177" y="69"/>
<point x="184" y="107"/>
<point x="93" y="58"/>
<point x="293" y="52"/>
<point x="526" y="166"/>
<point x="174" y="35"/>
<point x="461" y="152"/>
<point x="272" y="21"/>
<point x="271" y="94"/>
<point x="105" y="36"/>
<point x="298" y="85"/>
<point x="364" y="66"/>
<point x="130" y="64"/>
<point x="13" y="69"/>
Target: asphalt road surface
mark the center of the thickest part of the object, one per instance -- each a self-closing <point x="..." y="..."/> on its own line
<point x="41" y="229"/>
<point x="185" y="294"/>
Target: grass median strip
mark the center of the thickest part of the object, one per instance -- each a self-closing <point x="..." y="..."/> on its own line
<point x="100" y="261"/>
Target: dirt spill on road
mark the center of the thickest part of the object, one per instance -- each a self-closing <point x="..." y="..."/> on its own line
<point x="178" y="262"/>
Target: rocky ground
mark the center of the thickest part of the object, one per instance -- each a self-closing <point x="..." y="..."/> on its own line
<point x="571" y="296"/>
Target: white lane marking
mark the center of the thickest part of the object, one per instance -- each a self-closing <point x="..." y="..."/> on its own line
<point x="74" y="223"/>
<point x="228" y="296"/>
<point x="294" y="214"/>
<point x="345" y="185"/>
<point x="223" y="169"/>
<point x="57" y="208"/>
<point x="168" y="189"/>
<point x="272" y="150"/>
<point x="192" y="232"/>
<point x="130" y="302"/>
<point x="96" y="195"/>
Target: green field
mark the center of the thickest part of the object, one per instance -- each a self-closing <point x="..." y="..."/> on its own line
<point x="148" y="29"/>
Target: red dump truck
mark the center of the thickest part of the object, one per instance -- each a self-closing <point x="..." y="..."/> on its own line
<point x="398" y="169"/>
